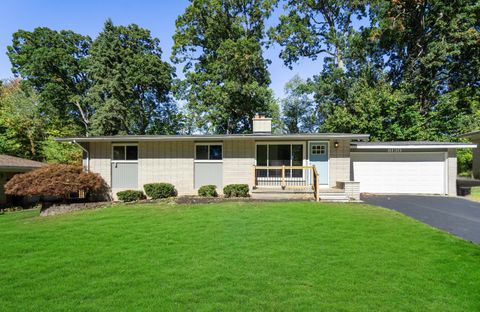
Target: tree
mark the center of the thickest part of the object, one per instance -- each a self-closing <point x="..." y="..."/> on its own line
<point x="226" y="76"/>
<point x="54" y="64"/>
<point x="431" y="51"/>
<point x="21" y="126"/>
<point x="298" y="108"/>
<point x="131" y="83"/>
<point x="26" y="132"/>
<point x="55" y="180"/>
<point x="311" y="28"/>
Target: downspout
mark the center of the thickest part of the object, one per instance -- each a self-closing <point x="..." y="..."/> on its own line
<point x="86" y="151"/>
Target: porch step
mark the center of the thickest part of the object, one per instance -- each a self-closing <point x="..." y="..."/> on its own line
<point x="334" y="197"/>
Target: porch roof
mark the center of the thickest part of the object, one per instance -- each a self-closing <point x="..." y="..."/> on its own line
<point x="212" y="137"/>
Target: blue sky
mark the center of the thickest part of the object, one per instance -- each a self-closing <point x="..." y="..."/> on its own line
<point x="87" y="17"/>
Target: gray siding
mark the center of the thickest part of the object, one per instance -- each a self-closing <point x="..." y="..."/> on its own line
<point x="207" y="173"/>
<point x="125" y="175"/>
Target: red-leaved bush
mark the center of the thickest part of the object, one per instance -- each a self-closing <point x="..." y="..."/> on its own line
<point x="55" y="180"/>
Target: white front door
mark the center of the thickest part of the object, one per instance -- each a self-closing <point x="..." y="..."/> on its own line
<point x="397" y="173"/>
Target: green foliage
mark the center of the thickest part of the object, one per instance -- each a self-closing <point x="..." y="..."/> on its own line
<point x="26" y="132"/>
<point x="130" y="195"/>
<point x="297" y="107"/>
<point x="312" y="28"/>
<point x="226" y="76"/>
<point x="54" y="63"/>
<point x="130" y="82"/>
<point x="208" y="191"/>
<point x="464" y="161"/>
<point x="159" y="190"/>
<point x="236" y="190"/>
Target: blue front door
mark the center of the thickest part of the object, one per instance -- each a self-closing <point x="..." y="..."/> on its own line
<point x="318" y="156"/>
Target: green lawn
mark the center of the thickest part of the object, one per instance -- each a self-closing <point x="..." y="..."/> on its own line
<point x="475" y="195"/>
<point x="293" y="256"/>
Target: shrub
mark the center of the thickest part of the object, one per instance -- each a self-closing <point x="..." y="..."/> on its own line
<point x="236" y="190"/>
<point x="130" y="195"/>
<point x="159" y="190"/>
<point x="57" y="180"/>
<point x="208" y="191"/>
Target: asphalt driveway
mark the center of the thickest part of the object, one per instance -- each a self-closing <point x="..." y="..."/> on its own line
<point x="455" y="215"/>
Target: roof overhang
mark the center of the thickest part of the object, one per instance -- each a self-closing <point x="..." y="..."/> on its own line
<point x="474" y="135"/>
<point x="256" y="137"/>
<point x="16" y="168"/>
<point x="406" y="145"/>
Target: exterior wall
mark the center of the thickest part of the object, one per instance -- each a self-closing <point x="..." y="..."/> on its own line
<point x="339" y="162"/>
<point x="476" y="160"/>
<point x="238" y="162"/>
<point x="100" y="159"/>
<point x="167" y="161"/>
<point x="452" y="172"/>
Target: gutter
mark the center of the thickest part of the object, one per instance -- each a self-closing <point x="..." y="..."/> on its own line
<point x="437" y="146"/>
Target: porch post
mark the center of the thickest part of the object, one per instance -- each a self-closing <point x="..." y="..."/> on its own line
<point x="283" y="177"/>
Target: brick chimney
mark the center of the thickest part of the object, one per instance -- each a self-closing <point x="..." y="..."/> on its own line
<point x="261" y="124"/>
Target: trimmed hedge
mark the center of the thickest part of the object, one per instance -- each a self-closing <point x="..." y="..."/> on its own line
<point x="130" y="195"/>
<point x="208" y="191"/>
<point x="159" y="190"/>
<point x="236" y="190"/>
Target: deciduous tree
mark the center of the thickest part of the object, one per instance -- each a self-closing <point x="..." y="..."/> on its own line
<point x="219" y="42"/>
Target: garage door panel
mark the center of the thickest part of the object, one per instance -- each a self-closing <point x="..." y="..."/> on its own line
<point x="400" y="172"/>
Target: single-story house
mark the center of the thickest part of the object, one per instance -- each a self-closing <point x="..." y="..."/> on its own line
<point x="263" y="160"/>
<point x="474" y="136"/>
<point x="10" y="166"/>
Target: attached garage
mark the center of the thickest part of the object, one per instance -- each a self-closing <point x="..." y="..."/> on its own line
<point x="421" y="173"/>
<point x="405" y="167"/>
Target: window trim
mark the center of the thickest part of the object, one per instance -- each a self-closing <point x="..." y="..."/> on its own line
<point x="206" y="160"/>
<point x="125" y="148"/>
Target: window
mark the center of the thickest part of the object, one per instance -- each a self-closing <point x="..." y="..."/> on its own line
<point x="125" y="152"/>
<point x="208" y="152"/>
<point x="318" y="150"/>
<point x="279" y="155"/>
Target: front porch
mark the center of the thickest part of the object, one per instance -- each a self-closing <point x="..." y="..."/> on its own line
<point x="297" y="183"/>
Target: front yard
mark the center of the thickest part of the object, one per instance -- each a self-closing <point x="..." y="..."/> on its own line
<point x="475" y="194"/>
<point x="293" y="256"/>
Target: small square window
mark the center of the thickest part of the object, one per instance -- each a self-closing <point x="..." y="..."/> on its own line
<point x="215" y="152"/>
<point x="318" y="149"/>
<point x="132" y="152"/>
<point x="201" y="152"/>
<point x="119" y="153"/>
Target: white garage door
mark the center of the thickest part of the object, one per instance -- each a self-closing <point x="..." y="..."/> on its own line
<point x="408" y="173"/>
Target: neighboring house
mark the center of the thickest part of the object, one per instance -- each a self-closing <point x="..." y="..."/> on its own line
<point x="474" y="136"/>
<point x="9" y="166"/>
<point x="267" y="161"/>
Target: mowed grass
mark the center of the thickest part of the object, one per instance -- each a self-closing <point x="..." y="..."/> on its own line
<point x="295" y="256"/>
<point x="475" y="193"/>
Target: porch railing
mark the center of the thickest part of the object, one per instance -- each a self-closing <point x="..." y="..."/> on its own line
<point x="295" y="177"/>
